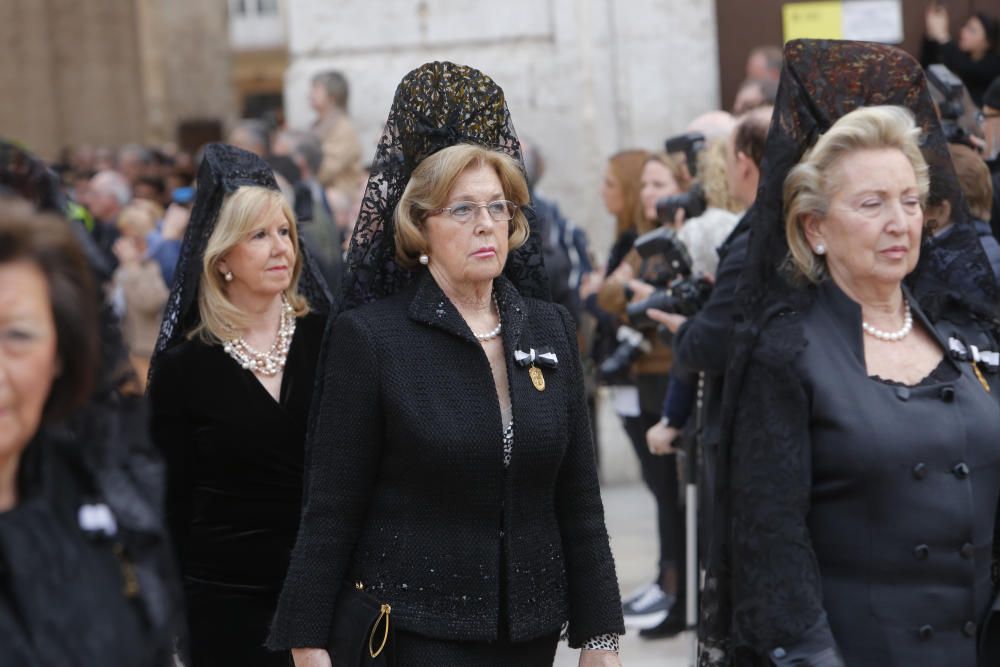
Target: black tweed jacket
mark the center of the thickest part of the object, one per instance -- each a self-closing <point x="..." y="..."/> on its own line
<point x="408" y="493"/>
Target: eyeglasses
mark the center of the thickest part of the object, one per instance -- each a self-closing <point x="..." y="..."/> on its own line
<point x="462" y="212"/>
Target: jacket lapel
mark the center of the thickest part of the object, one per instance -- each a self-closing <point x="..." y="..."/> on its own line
<point x="430" y="306"/>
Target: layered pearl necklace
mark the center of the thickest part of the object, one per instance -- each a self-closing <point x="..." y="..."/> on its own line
<point x="268" y="363"/>
<point x="490" y="335"/>
<point x="892" y="336"/>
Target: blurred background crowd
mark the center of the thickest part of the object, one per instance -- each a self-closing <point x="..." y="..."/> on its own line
<point x="642" y="124"/>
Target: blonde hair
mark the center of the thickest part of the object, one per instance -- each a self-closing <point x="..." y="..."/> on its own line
<point x="712" y="167"/>
<point x="431" y="183"/>
<point x="137" y="219"/>
<point x="239" y="216"/>
<point x="808" y="187"/>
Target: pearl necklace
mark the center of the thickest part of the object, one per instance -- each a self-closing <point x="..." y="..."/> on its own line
<point x="268" y="363"/>
<point x="892" y="336"/>
<point x="490" y="335"/>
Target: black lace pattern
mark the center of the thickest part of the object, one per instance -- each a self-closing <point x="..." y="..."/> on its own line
<point x="437" y="105"/>
<point x="821" y="82"/>
<point x="223" y="170"/>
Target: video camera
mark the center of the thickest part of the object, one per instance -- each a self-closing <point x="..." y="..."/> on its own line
<point x="692" y="202"/>
<point x="689" y="143"/>
<point x="949" y="94"/>
<point x="667" y="266"/>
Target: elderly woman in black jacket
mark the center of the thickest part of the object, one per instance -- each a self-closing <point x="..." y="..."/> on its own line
<point x="860" y="469"/>
<point x="451" y="469"/>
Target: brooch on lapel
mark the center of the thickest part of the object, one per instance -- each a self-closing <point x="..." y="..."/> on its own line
<point x="988" y="359"/>
<point x="97" y="519"/>
<point x="543" y="357"/>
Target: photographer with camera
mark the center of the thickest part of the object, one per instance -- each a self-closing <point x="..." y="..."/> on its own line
<point x="642" y="359"/>
<point x="701" y="342"/>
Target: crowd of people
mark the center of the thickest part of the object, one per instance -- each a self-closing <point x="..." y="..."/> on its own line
<point x="263" y="404"/>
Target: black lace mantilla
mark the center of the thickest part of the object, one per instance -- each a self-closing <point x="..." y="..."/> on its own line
<point x="223" y="170"/>
<point x="821" y="82"/>
<point x="437" y="105"/>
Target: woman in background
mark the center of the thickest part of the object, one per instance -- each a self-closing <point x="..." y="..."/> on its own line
<point x="230" y="389"/>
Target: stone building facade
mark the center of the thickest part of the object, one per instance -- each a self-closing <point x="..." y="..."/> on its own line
<point x="108" y="72"/>
<point x="583" y="78"/>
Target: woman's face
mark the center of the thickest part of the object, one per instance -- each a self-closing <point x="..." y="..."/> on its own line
<point x="655" y="183"/>
<point x="972" y="37"/>
<point x="874" y="219"/>
<point x="475" y="251"/>
<point x="262" y="264"/>
<point x="28" y="355"/>
<point x="611" y="191"/>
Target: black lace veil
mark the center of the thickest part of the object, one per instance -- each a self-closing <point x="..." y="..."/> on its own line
<point x="437" y="105"/>
<point x="821" y="82"/>
<point x="223" y="170"/>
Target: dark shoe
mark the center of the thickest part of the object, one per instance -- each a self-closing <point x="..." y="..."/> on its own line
<point x="672" y="626"/>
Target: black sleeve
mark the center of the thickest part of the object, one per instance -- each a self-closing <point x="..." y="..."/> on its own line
<point x="594" y="600"/>
<point x="702" y="343"/>
<point x="342" y="460"/>
<point x="173" y="431"/>
<point x="777" y="591"/>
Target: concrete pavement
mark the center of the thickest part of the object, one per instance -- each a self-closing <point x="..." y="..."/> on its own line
<point x="630" y="515"/>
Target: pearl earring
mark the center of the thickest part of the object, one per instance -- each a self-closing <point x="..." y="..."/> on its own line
<point x="228" y="275"/>
<point x="424" y="259"/>
<point x="820" y="249"/>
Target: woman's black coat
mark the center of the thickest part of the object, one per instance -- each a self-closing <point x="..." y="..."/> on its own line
<point x="407" y="490"/>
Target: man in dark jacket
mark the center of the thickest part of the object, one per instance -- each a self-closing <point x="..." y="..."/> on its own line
<point x="701" y="343"/>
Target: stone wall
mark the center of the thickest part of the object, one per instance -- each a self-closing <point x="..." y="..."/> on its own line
<point x="583" y="78"/>
<point x="109" y="72"/>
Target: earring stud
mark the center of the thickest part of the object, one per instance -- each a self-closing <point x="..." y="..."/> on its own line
<point x="424" y="259"/>
<point x="228" y="275"/>
<point x="820" y="249"/>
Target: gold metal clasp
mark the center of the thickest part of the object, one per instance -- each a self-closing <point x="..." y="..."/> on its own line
<point x="979" y="375"/>
<point x="129" y="577"/>
<point x="384" y="616"/>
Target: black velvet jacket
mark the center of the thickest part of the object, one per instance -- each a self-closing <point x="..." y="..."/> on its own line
<point x="407" y="490"/>
<point x="234" y="459"/>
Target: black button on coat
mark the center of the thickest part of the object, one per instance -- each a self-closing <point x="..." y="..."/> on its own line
<point x="406" y="482"/>
<point x="849" y="504"/>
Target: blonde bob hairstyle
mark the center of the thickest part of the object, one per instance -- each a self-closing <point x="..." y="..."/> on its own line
<point x="241" y="214"/>
<point x="431" y="183"/>
<point x="811" y="183"/>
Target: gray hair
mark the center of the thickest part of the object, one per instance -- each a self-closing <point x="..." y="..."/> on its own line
<point x="254" y="130"/>
<point x="113" y="183"/>
<point x="335" y="85"/>
<point x="307" y="147"/>
<point x="137" y="151"/>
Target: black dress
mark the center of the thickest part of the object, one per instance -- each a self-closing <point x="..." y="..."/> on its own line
<point x="863" y="511"/>
<point x="234" y="458"/>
